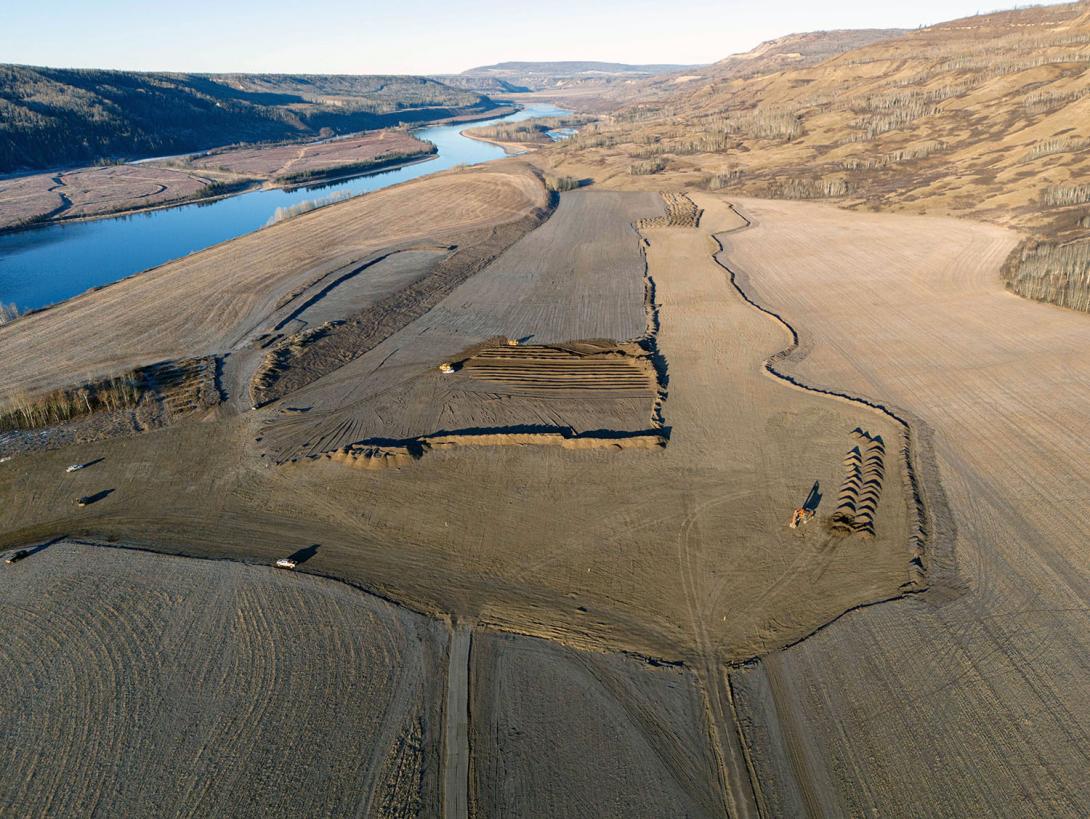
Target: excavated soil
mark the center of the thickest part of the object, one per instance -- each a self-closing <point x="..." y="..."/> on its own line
<point x="971" y="700"/>
<point x="143" y="684"/>
<point x="680" y="552"/>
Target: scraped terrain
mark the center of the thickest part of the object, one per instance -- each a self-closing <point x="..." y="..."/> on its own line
<point x="680" y="552"/>
<point x="579" y="276"/>
<point x="145" y="684"/>
<point x="987" y="671"/>
<point x="476" y="530"/>
<point x="559" y="732"/>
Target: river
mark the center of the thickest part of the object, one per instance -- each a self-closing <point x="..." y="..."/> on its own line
<point x="45" y="265"/>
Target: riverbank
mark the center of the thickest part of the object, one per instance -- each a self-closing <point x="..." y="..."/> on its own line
<point x="55" y="262"/>
<point x="33" y="200"/>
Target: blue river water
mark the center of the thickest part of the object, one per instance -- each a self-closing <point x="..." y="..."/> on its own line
<point x="45" y="265"/>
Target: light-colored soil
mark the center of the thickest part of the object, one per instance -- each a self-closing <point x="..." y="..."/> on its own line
<point x="703" y="522"/>
<point x="90" y="192"/>
<point x="141" y="684"/>
<point x="971" y="700"/>
<point x="680" y="552"/>
<point x="558" y="732"/>
<point x="213" y="300"/>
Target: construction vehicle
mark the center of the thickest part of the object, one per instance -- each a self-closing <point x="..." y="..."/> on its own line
<point x="15" y="557"/>
<point x="446" y="368"/>
<point x="512" y="342"/>
<point x="286" y="563"/>
<point x="75" y="467"/>
<point x="86" y="499"/>
<point x="801" y="516"/>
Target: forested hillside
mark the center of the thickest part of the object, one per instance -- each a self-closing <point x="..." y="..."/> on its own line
<point x="51" y="117"/>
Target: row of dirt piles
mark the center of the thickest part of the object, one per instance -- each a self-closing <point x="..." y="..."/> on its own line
<point x="864" y="471"/>
<point x="681" y="211"/>
<point x="159" y="392"/>
<point x="387" y="456"/>
<point x="576" y="367"/>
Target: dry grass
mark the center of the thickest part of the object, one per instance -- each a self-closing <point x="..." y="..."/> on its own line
<point x="983" y="117"/>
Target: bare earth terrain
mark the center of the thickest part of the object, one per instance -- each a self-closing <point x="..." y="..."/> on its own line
<point x="153" y="685"/>
<point x="986" y="672"/>
<point x="679" y="552"/>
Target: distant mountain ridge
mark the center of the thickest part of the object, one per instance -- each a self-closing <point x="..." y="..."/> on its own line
<point x="50" y="117"/>
<point x="527" y="75"/>
<point x="574" y="67"/>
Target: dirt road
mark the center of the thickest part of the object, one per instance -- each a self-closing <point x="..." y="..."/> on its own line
<point x="456" y="732"/>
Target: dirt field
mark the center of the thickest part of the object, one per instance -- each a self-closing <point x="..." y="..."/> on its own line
<point x="273" y="162"/>
<point x="558" y="732"/>
<point x="93" y="192"/>
<point x="579" y="276"/>
<point x="681" y="553"/>
<point x="474" y="530"/>
<point x="970" y="701"/>
<point x="213" y="300"/>
<point x="143" y="684"/>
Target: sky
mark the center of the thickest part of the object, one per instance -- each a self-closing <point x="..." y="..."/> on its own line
<point x="422" y="36"/>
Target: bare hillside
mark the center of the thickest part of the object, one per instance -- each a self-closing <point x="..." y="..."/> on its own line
<point x="983" y="117"/>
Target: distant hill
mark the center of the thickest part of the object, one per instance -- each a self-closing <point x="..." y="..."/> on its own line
<point x="52" y="117"/>
<point x="571" y="68"/>
<point x="985" y="117"/>
<point x="771" y="56"/>
<point x="541" y="76"/>
<point x="482" y="84"/>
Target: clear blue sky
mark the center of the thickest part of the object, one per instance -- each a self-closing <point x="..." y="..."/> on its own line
<point x="422" y="36"/>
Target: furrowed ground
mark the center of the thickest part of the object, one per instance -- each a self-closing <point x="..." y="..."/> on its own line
<point x="680" y="552"/>
<point x="984" y="672"/>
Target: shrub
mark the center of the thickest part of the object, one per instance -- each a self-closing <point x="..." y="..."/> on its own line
<point x="1062" y="195"/>
<point x="647" y="167"/>
<point x="559" y="184"/>
<point x="1059" y="274"/>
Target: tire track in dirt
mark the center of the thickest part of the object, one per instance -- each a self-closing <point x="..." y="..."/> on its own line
<point x="456" y="732"/>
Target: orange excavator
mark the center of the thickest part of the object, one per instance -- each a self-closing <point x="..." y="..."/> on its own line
<point x="801" y="516"/>
<point x="805" y="513"/>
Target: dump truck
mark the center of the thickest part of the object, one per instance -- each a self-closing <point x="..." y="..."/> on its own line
<point x="286" y="563"/>
<point x="15" y="557"/>
<point x="75" y="467"/>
